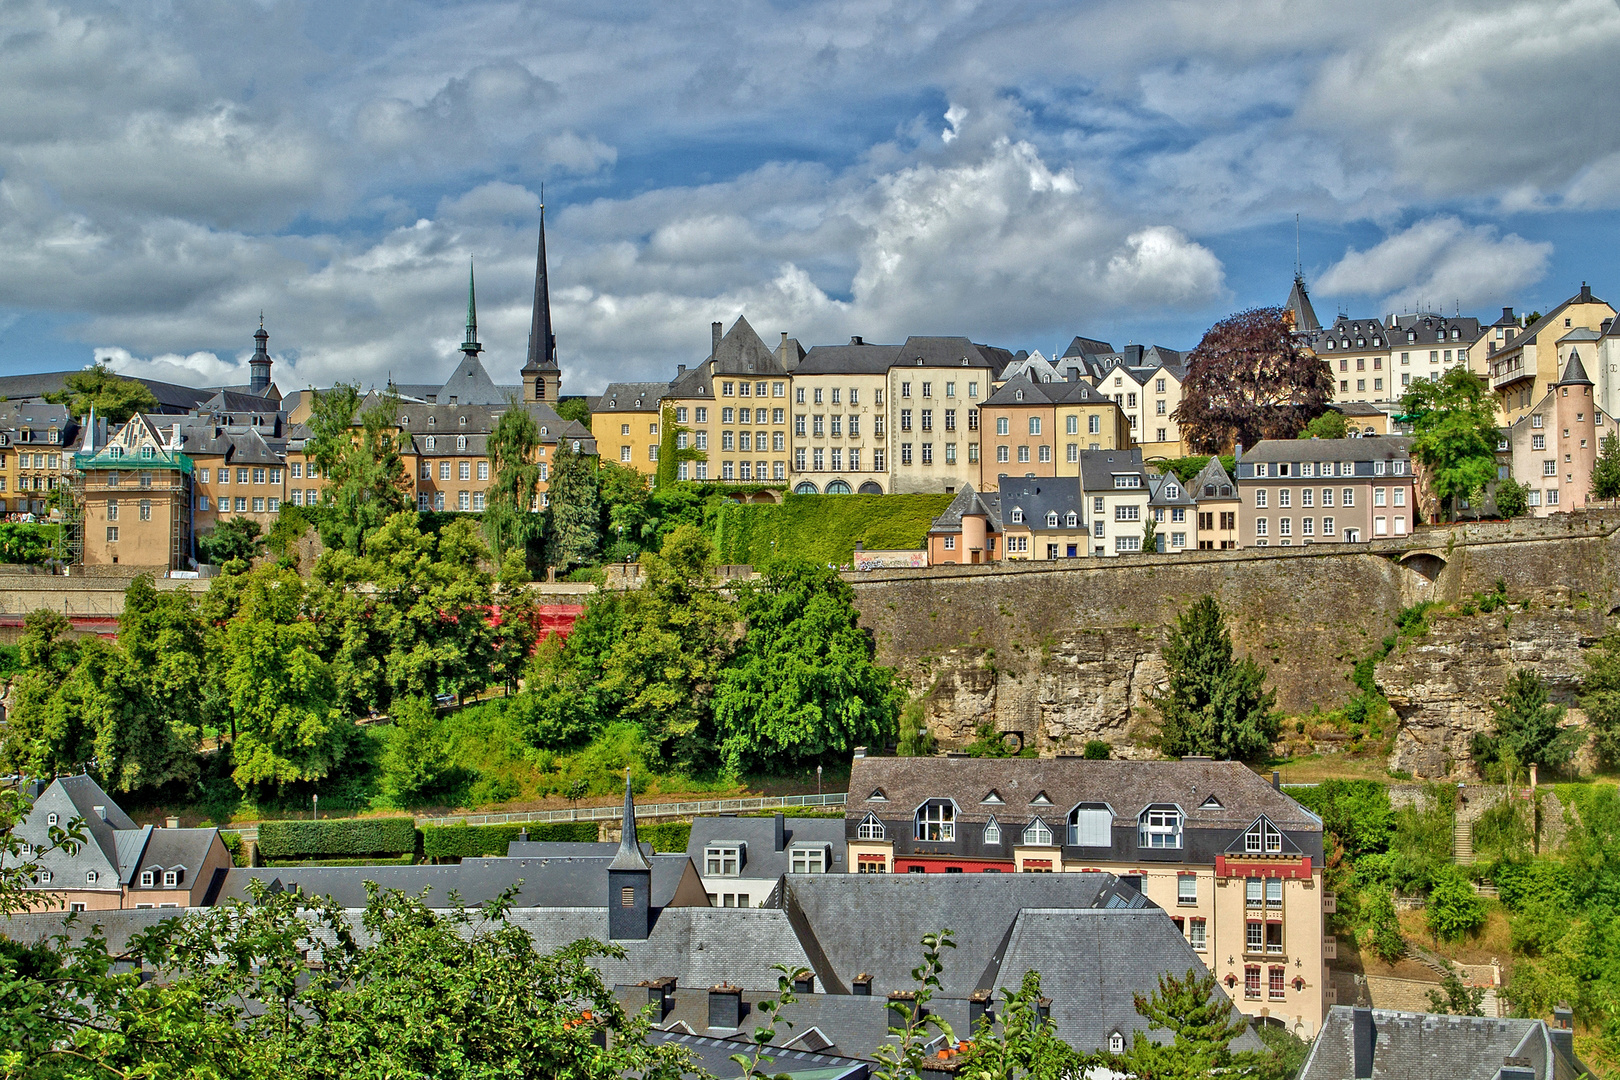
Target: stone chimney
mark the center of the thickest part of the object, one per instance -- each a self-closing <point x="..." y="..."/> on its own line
<point x="661" y="992"/>
<point x="714" y="338"/>
<point x="779" y="832"/>
<point x="725" y="1003"/>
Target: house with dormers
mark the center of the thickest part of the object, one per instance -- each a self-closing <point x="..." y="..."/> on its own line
<point x="1114" y="485"/>
<point x="1174" y="513"/>
<point x="120" y="864"/>
<point x="1043" y="517"/>
<point x="1235" y="862"/>
<point x="134" y="487"/>
<point x="1218" y="507"/>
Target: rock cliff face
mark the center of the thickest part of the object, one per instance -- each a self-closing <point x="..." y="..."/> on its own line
<point x="1442" y="685"/>
<point x="1067" y="653"/>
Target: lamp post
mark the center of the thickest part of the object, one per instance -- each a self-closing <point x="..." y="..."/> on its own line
<point x="818" y="781"/>
<point x="315" y="814"/>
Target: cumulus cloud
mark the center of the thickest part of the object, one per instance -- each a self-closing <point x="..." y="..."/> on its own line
<point x="1438" y="262"/>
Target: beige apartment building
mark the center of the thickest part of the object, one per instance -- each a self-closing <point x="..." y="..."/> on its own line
<point x="1356" y="352"/>
<point x="1147" y="388"/>
<point x="1554" y="445"/>
<point x="1043" y="428"/>
<point x="1525" y="365"/>
<point x="134" y="492"/>
<point x="936" y="388"/>
<point x="36" y="456"/>
<point x="840" y="415"/>
<point x="733" y="409"/>
<point x="1345" y="491"/>
<point x="1233" y="862"/>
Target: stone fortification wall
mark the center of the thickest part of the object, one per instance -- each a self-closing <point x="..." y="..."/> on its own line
<point x="1068" y="652"/>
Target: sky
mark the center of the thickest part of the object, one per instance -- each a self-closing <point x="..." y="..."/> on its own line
<point x="1017" y="172"/>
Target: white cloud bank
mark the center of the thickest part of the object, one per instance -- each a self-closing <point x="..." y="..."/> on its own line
<point x="1437" y="263"/>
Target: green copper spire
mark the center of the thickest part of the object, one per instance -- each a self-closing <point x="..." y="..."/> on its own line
<point x="471" y="346"/>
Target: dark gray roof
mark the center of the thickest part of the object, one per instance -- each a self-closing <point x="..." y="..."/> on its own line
<point x="874" y="923"/>
<point x="119" y="925"/>
<point x="1128" y="787"/>
<point x="1213" y="473"/>
<point x="1426" y="1046"/>
<point x="1372" y="448"/>
<point x="1429" y="328"/>
<point x="713" y="1055"/>
<point x="1099" y="467"/>
<point x="630" y="396"/>
<point x="1084" y="346"/>
<point x="553" y="849"/>
<point x="1170" y="491"/>
<point x="557" y="882"/>
<point x="470" y="384"/>
<point x="1068" y="392"/>
<point x="741" y="352"/>
<point x="171" y="397"/>
<point x="943" y="352"/>
<point x="761" y="859"/>
<point x="1299" y="302"/>
<point x="856" y="358"/>
<point x="1574" y="371"/>
<point x="1038" y="496"/>
<point x="1356" y="408"/>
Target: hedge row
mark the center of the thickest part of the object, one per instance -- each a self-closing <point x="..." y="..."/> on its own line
<point x="822" y="528"/>
<point x="463" y="841"/>
<point x="669" y="837"/>
<point x="337" y="836"/>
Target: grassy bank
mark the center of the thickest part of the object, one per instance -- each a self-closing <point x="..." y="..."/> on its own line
<point x="822" y="528"/>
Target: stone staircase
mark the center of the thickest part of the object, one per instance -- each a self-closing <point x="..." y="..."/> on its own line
<point x="1462" y="842"/>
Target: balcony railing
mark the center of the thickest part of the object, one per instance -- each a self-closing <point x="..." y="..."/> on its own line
<point x="1330" y="948"/>
<point x="1508" y="371"/>
<point x="1330" y="904"/>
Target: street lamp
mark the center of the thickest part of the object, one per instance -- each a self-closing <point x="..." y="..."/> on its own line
<point x="316" y="813"/>
<point x="818" y="781"/>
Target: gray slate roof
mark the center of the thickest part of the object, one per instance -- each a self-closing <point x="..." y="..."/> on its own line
<point x="761" y="859"/>
<point x="1574" y="371"/>
<point x="1099" y="467"/>
<point x="1214" y="474"/>
<point x="555" y="882"/>
<point x="968" y="503"/>
<point x="630" y="397"/>
<point x="713" y="1056"/>
<point x="1038" y="496"/>
<point x="944" y="352"/>
<point x="171" y="397"/>
<point x="1299" y="302"/>
<point x="1426" y="1046"/>
<point x="856" y="358"/>
<point x="1128" y="787"/>
<point x="1025" y="390"/>
<point x="1084" y="346"/>
<point x="1375" y="448"/>
<point x="470" y="384"/>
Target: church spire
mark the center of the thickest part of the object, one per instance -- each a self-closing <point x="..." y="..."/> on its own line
<point x="471" y="346"/>
<point x="541" y="375"/>
<point x="629" y="856"/>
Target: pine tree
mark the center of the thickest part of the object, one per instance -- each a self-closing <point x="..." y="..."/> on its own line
<point x="576" y="513"/>
<point x="1200" y="1019"/>
<point x="1606" y="470"/>
<point x="508" y="523"/>
<point x="1216" y="704"/>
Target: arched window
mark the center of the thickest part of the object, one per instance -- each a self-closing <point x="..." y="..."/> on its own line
<point x="461" y="442"/>
<point x="433" y="421"/>
<point x="992" y="834"/>
<point x="1036" y="834"/>
<point x="805" y="487"/>
<point x="838" y="487"/>
<point x="1159" y="826"/>
<point x="871" y="829"/>
<point x="1051" y="519"/>
<point x="431" y="441"/>
<point x="51" y="819"/>
<point x="936" y="820"/>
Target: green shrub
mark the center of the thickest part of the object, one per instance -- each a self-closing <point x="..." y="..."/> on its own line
<point x="667" y="836"/>
<point x="26" y="542"/>
<point x="821" y="528"/>
<point x="1454" y="910"/>
<point x="1382" y="937"/>
<point x="1097" y="750"/>
<point x="1520" y="885"/>
<point x="233" y="844"/>
<point x="463" y="841"/>
<point x="1358" y="812"/>
<point x="337" y="836"/>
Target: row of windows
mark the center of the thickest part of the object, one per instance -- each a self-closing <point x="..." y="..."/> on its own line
<point x="1276" y="983"/>
<point x="819" y="428"/>
<point x="259" y="503"/>
<point x="745" y="470"/>
<point x="1324" y="468"/>
<point x="1089" y="825"/>
<point x="756" y="389"/>
<point x="928" y="389"/>
<point x="928" y="453"/>
<point x="926" y="418"/>
<point x="819" y="457"/>
<point x="464" y="469"/>
<point x="1071" y="424"/>
<point x="264" y="475"/>
<point x="746" y="416"/>
<point x="1307" y="497"/>
<point x="32" y="483"/>
<point x="837" y="395"/>
<point x="40" y="461"/>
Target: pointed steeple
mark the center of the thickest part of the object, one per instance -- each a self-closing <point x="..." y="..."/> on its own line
<point x="259" y="365"/>
<point x="542" y="342"/>
<point x="629" y="856"/>
<point x="1574" y="371"/>
<point x="471" y="346"/>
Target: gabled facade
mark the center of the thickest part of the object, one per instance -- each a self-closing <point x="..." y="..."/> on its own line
<point x="1175" y="514"/>
<point x="969" y="531"/>
<point x="121" y="864"/>
<point x="1524" y="365"/>
<point x="1114" y="485"/>
<point x="1043" y="428"/>
<point x="1554" y="445"/>
<point x="733" y="407"/>
<point x="1218" y="507"/>
<point x="1235" y="862"/>
<point x="625" y="422"/>
<point x="135" y="492"/>
<point x="1043" y="517"/>
<point x="1146" y="385"/>
<point x="36" y="458"/>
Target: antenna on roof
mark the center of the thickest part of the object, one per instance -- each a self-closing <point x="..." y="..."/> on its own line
<point x="1298" y="270"/>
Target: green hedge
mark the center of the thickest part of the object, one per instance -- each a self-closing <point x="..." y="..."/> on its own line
<point x="463" y="841"/>
<point x="666" y="836"/>
<point x="822" y="528"/>
<point x="337" y="836"/>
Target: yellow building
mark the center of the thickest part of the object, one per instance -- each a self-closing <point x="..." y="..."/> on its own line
<point x="734" y="409"/>
<point x="1041" y="428"/>
<point x="135" y="492"/>
<point x="1524" y="366"/>
<point x="35" y="456"/>
<point x="625" y="421"/>
<point x="840" y="419"/>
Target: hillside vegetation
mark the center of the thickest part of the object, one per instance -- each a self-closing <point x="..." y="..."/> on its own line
<point x="822" y="528"/>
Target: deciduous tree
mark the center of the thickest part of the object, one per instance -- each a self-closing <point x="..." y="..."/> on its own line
<point x="1454" y="433"/>
<point x="1247" y="380"/>
<point x="1606" y="470"/>
<point x="364" y="470"/>
<point x="1216" y="704"/>
<point x="1200" y="1019"/>
<point x="508" y="522"/>
<point x="112" y="396"/>
<point x="574" y="535"/>
<point x="233" y="541"/>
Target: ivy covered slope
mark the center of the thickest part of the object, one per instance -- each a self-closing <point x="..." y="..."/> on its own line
<point x="821" y="528"/>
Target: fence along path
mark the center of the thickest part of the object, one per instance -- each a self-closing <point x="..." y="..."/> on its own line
<point x="615" y="812"/>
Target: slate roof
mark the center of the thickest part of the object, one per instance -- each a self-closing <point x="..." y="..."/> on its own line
<point x="1374" y="448"/>
<point x="1432" y="329"/>
<point x="1356" y="408"/>
<point x="630" y="397"/>
<point x="740" y="352"/>
<point x="470" y="384"/>
<point x="945" y="352"/>
<point x="1426" y="1046"/>
<point x="1038" y="496"/>
<point x="1213" y="473"/>
<point x="761" y="859"/>
<point x="1299" y="302"/>
<point x="171" y="398"/>
<point x="873" y="923"/>
<point x="1574" y="371"/>
<point x="170" y="849"/>
<point x="1084" y="346"/>
<point x="969" y="502"/>
<point x="1024" y="390"/>
<point x="1128" y="787"/>
<point x="1099" y="467"/>
<point x="1170" y="491"/>
<point x="553" y="849"/>
<point x="553" y="882"/>
<point x="856" y="358"/>
<point x="713" y="1056"/>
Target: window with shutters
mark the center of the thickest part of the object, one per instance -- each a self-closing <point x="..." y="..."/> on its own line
<point x="627" y="896"/>
<point x="1091" y="825"/>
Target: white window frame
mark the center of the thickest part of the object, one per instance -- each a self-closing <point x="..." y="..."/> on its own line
<point x="807" y="860"/>
<point x="992" y="833"/>
<point x="722" y="860"/>
<point x="871" y="828"/>
<point x="1037" y="834"/>
<point x="936" y="817"/>
<point x="1159" y="827"/>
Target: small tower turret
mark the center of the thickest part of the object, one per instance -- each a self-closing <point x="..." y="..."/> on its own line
<point x="259" y="366"/>
<point x="1574" y="433"/>
<point x="629" y="881"/>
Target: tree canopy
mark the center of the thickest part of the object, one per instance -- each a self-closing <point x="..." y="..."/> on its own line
<point x="112" y="396"/>
<point x="364" y="470"/>
<point x="574" y="535"/>
<point x="509" y="523"/>
<point x="1248" y="380"/>
<point x="1454" y="433"/>
<point x="1606" y="470"/>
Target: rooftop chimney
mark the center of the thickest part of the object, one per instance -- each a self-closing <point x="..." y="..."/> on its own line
<point x="523" y="835"/>
<point x="856" y="340"/>
<point x="1586" y="293"/>
<point x="725" y="1004"/>
<point x="901" y="1005"/>
<point x="171" y="823"/>
<point x="779" y="832"/>
<point x="661" y="992"/>
<point x="978" y="1009"/>
<point x="861" y="985"/>
<point x="714" y="338"/>
<point x="1276" y="780"/>
<point x="860" y="752"/>
<point x="1237" y="454"/>
<point x="1363" y="1037"/>
<point x="101" y="812"/>
<point x="1562" y="1033"/>
<point x="680" y="369"/>
<point x="1507" y="314"/>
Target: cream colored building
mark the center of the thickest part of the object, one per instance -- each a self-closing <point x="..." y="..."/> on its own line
<point x="733" y="409"/>
<point x="936" y="388"/>
<point x="1232" y="861"/>
<point x="1524" y="365"/>
<point x="626" y="421"/>
<point x="840" y="435"/>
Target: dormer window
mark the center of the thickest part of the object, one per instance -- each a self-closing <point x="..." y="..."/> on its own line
<point x="148" y="878"/>
<point x="871" y="828"/>
<point x="91" y="877"/>
<point x="43" y="877"/>
<point x="51" y="819"/>
<point x="1051" y="519"/>
<point x="115" y="451"/>
<point x="1036" y="834"/>
<point x="171" y="878"/>
<point x="1116" y="1043"/>
<point x="1073" y="519"/>
<point x="992" y="798"/>
<point x="1159" y="826"/>
<point x="463" y="421"/>
<point x="433" y="421"/>
<point x="807" y="860"/>
<point x="992" y="833"/>
<point x="936" y="821"/>
<point x="1041" y="799"/>
<point x="1211" y="803"/>
<point x="1262" y="838"/>
<point x="877" y="796"/>
<point x="461" y="442"/>
<point x="1017" y="515"/>
<point x="1128" y="481"/>
<point x="722" y="860"/>
<point x="404" y="421"/>
<point x="430" y="441"/>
